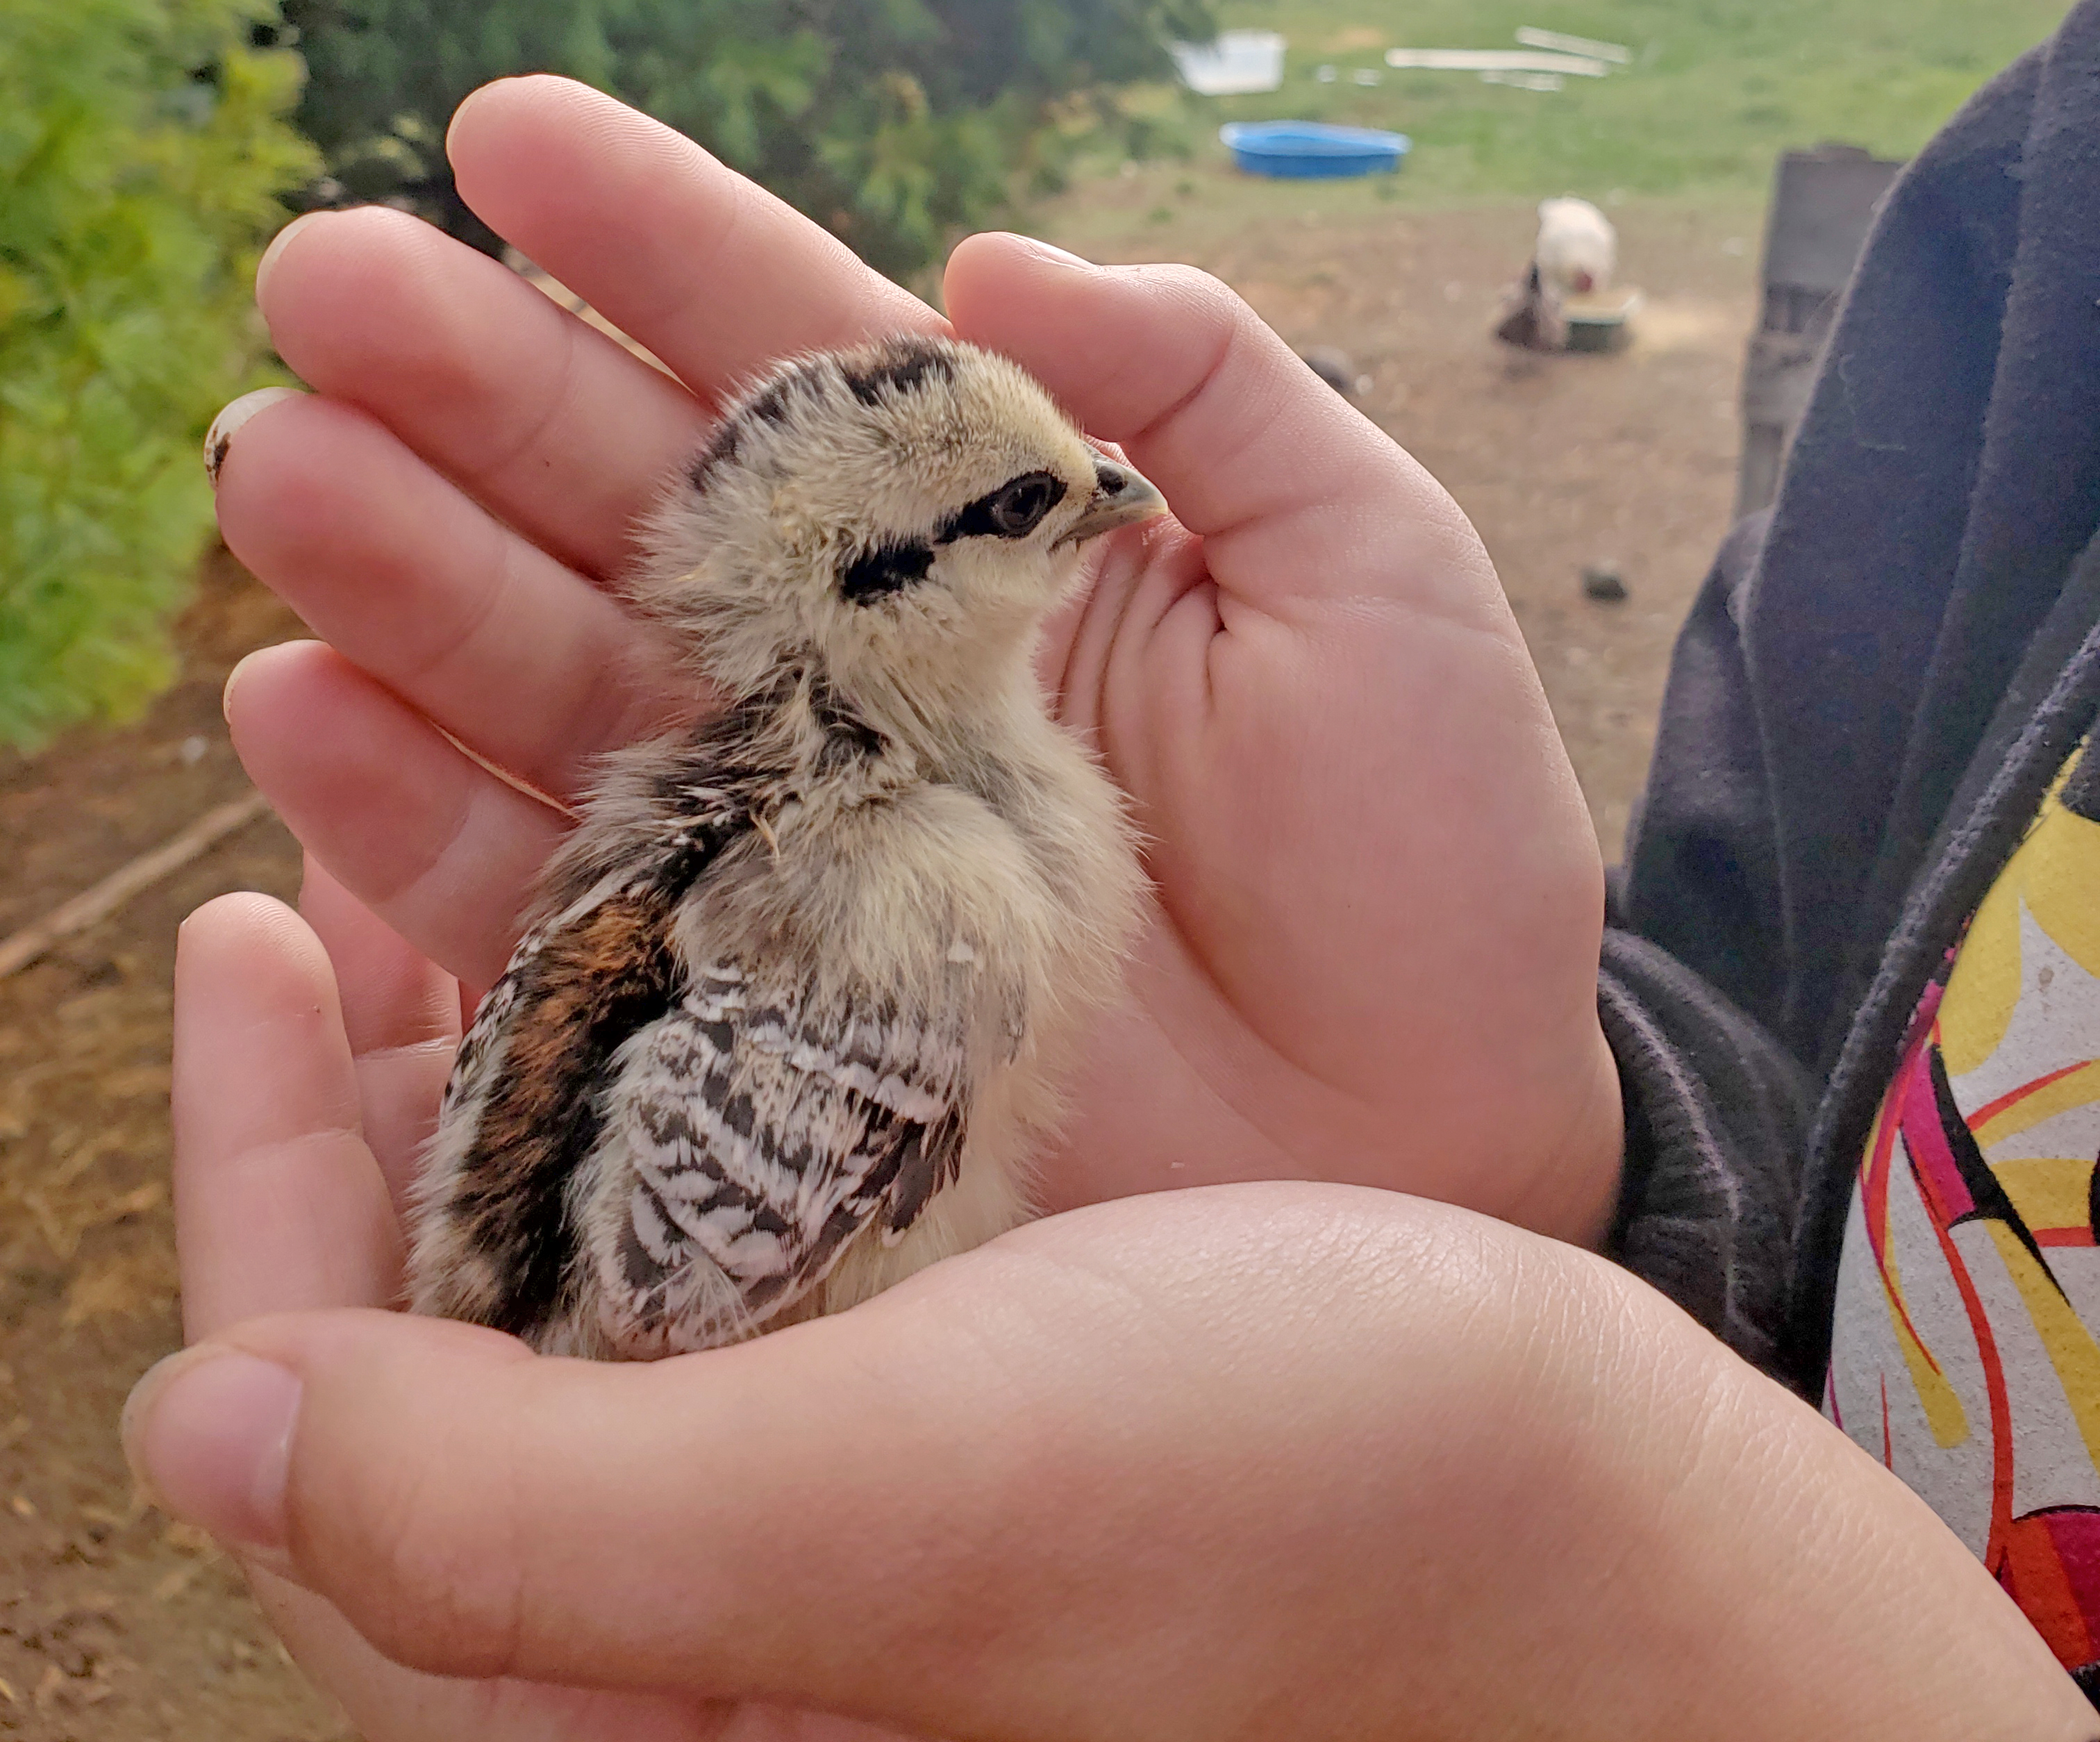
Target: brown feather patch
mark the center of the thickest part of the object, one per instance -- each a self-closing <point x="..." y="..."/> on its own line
<point x="590" y="988"/>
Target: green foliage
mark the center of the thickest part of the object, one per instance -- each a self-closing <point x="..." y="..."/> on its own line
<point x="890" y="122"/>
<point x="141" y="152"/>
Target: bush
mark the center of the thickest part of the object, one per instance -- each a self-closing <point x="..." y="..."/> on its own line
<point x="892" y="122"/>
<point x="141" y="153"/>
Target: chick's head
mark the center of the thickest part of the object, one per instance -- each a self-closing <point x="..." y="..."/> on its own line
<point x="900" y="517"/>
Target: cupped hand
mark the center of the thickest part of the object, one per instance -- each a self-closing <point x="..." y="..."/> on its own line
<point x="1262" y="1463"/>
<point x="1372" y="954"/>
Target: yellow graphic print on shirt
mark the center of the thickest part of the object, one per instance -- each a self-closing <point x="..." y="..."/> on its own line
<point x="1962" y="1352"/>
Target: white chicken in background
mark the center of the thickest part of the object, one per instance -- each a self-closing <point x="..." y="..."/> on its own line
<point x="1576" y="255"/>
<point x="1577" y="249"/>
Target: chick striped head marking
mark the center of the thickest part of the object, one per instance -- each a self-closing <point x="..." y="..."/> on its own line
<point x="906" y="512"/>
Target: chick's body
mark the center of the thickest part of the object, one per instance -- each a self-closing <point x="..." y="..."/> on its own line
<point x="789" y="1017"/>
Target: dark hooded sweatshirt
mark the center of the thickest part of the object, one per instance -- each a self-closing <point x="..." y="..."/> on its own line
<point x="1876" y="688"/>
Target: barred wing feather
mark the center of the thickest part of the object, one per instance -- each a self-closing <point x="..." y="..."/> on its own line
<point x="760" y="1137"/>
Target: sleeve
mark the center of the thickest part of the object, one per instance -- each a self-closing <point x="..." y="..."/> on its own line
<point x="1836" y="678"/>
<point x="1717" y="1116"/>
<point x="1717" y="1109"/>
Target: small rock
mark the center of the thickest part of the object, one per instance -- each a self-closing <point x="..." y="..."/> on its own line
<point x="1603" y="582"/>
<point x="194" y="749"/>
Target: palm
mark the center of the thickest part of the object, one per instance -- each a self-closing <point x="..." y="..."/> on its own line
<point x="390" y="1704"/>
<point x="1345" y="977"/>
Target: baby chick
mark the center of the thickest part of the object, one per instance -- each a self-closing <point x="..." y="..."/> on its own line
<point x="791" y="1007"/>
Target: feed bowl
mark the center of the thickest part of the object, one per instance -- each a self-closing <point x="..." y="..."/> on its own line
<point x="1601" y="321"/>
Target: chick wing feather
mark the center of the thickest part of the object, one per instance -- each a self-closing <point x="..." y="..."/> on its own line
<point x="752" y="1135"/>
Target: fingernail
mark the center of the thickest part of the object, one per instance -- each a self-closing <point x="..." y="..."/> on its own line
<point x="208" y="1434"/>
<point x="219" y="437"/>
<point x="278" y="244"/>
<point x="1055" y="255"/>
<point x="233" y="678"/>
<point x="466" y="103"/>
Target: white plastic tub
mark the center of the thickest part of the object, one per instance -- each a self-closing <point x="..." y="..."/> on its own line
<point x="1238" y="63"/>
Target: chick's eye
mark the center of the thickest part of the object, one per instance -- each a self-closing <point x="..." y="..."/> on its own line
<point x="1012" y="511"/>
<point x="1019" y="507"/>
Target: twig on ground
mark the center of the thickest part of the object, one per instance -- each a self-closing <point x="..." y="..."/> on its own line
<point x="98" y="903"/>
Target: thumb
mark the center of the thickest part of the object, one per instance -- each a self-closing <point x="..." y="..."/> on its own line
<point x="475" y="1511"/>
<point x="1025" y="1495"/>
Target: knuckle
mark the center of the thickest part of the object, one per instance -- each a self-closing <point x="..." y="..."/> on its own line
<point x="435" y="1582"/>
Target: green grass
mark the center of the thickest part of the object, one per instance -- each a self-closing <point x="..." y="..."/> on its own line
<point x="1718" y="87"/>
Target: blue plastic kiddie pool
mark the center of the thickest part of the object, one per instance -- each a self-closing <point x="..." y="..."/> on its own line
<point x="1311" y="147"/>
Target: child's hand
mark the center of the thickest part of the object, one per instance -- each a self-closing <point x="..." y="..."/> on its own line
<point x="1373" y="954"/>
<point x="1285" y="1462"/>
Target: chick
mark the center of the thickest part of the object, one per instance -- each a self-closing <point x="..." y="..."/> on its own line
<point x="1530" y="317"/>
<point x="789" y="1016"/>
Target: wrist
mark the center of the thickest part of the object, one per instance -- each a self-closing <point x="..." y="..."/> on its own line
<point x="1778" y="1582"/>
<point x="1573" y="1193"/>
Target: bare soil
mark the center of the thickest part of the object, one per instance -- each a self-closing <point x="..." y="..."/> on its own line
<point x="114" y="1623"/>
<point x="117" y="1626"/>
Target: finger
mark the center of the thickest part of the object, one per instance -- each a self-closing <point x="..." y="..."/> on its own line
<point x="713" y="274"/>
<point x="401" y="1014"/>
<point x="548" y="422"/>
<point x="440" y="850"/>
<point x="1297" y="497"/>
<point x="410" y="579"/>
<point x="383" y="1699"/>
<point x="279" y="1206"/>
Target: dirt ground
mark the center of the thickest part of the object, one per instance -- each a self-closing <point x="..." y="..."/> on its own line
<point x="116" y="1626"/>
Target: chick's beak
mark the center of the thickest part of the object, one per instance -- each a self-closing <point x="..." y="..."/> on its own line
<point x="1121" y="495"/>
